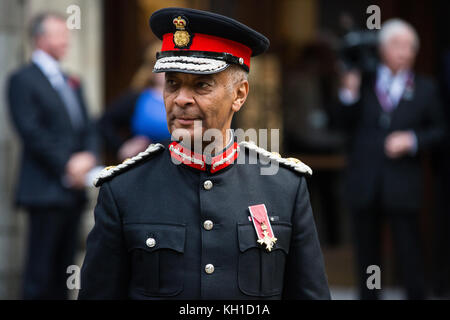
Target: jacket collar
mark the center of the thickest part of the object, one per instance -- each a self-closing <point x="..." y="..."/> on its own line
<point x="201" y="162"/>
<point x="49" y="67"/>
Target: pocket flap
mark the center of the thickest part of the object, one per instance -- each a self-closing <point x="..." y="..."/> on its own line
<point x="165" y="236"/>
<point x="248" y="238"/>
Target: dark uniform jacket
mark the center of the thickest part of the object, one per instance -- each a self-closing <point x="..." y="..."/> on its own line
<point x="169" y="203"/>
<point x="48" y="139"/>
<point x="372" y="176"/>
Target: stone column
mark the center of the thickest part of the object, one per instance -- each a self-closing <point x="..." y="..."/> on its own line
<point x="11" y="237"/>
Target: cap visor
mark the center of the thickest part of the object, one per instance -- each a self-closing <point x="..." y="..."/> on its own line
<point x="193" y="65"/>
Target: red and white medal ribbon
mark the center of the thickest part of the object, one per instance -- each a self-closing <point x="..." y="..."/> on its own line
<point x="262" y="225"/>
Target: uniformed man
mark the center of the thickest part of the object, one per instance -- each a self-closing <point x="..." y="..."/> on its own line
<point x="172" y="223"/>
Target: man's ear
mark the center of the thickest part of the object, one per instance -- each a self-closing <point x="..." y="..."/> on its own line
<point x="240" y="93"/>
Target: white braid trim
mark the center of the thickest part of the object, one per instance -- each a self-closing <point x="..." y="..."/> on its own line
<point x="186" y="157"/>
<point x="189" y="64"/>
<point x="226" y="159"/>
<point x="300" y="166"/>
<point x="111" y="171"/>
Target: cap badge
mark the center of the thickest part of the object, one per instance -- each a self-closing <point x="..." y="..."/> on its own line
<point x="181" y="37"/>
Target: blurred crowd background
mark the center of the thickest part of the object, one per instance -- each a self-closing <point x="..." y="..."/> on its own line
<point x="318" y="48"/>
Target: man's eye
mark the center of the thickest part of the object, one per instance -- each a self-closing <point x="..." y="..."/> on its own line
<point x="203" y="85"/>
<point x="171" y="82"/>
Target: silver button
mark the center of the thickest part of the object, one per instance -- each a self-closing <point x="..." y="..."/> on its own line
<point x="241" y="61"/>
<point x="209" y="268"/>
<point x="208" y="185"/>
<point x="208" y="225"/>
<point x="150" y="242"/>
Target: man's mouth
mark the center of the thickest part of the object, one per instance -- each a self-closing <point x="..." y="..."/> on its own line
<point x="186" y="121"/>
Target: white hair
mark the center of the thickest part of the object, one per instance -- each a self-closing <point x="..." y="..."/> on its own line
<point x="395" y="26"/>
<point x="238" y="73"/>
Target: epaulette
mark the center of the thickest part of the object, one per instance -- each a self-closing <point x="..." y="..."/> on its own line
<point x="291" y="163"/>
<point x="112" y="171"/>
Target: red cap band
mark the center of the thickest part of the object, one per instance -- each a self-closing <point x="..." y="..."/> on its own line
<point x="204" y="42"/>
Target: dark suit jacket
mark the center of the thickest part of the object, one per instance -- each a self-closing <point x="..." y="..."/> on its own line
<point x="48" y="139"/>
<point x="372" y="176"/>
<point x="160" y="199"/>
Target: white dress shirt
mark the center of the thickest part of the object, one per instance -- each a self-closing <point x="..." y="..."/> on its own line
<point x="393" y="84"/>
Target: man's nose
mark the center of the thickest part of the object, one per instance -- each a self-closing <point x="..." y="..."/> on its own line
<point x="184" y="98"/>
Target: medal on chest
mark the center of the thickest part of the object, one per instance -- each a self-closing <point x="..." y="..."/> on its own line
<point x="262" y="225"/>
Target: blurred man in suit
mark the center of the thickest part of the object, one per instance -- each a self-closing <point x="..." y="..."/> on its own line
<point x="58" y="150"/>
<point x="392" y="116"/>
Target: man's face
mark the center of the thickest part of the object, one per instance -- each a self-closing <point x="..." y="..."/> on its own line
<point x="398" y="52"/>
<point x="205" y="98"/>
<point x="55" y="39"/>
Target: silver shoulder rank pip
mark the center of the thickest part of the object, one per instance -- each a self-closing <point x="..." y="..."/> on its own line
<point x="291" y="163"/>
<point x="112" y="171"/>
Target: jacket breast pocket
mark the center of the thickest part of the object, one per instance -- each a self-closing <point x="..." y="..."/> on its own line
<point x="260" y="272"/>
<point x="157" y="258"/>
